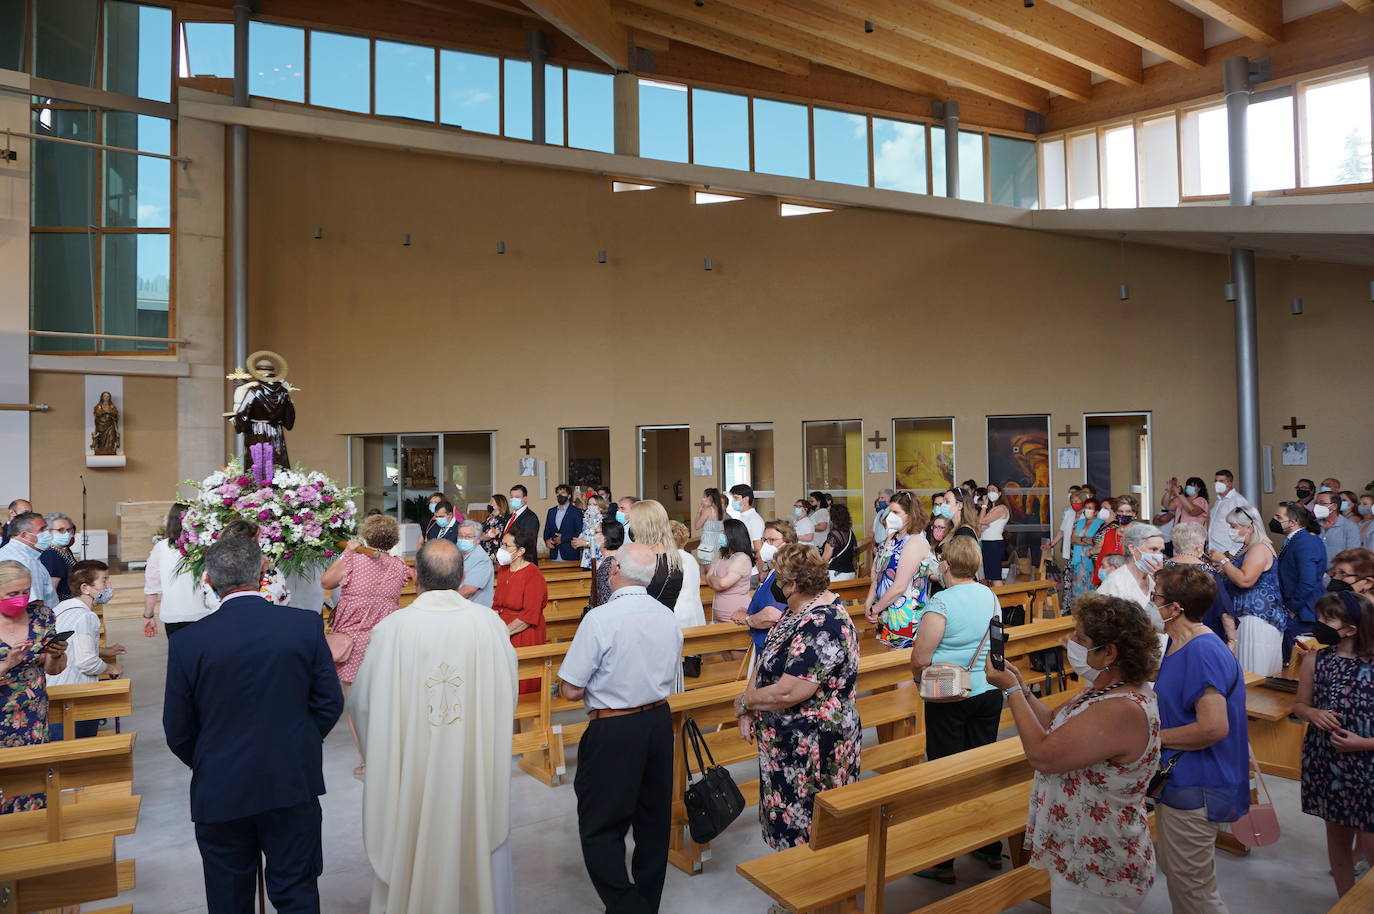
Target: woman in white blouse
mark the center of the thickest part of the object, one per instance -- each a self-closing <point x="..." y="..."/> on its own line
<point x="182" y="598"/>
<point x="87" y="661"/>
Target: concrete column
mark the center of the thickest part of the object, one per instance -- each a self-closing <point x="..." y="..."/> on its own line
<point x="952" y="149"/>
<point x="626" y="89"/>
<point x="539" y="56"/>
<point x="14" y="298"/>
<point x="1236" y="76"/>
<point x="238" y="196"/>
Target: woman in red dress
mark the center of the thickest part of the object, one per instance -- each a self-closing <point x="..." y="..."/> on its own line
<point x="521" y="593"/>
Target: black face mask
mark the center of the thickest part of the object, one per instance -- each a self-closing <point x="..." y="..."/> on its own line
<point x="1337" y="585"/>
<point x="1275" y="527"/>
<point x="776" y="591"/>
<point x="1304" y="492"/>
<point x="562" y="499"/>
<point x="1325" y="634"/>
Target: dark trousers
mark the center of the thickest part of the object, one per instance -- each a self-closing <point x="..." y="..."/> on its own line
<point x="624" y="781"/>
<point x="994" y="552"/>
<point x="174" y="627"/>
<point x="290" y="840"/>
<point x="953" y="726"/>
<point x="84" y="730"/>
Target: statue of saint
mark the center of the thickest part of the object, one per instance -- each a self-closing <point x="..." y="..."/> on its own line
<point x="105" y="438"/>
<point x="263" y="411"/>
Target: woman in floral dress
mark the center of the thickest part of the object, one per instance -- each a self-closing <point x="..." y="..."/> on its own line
<point x="24" y="673"/>
<point x="498" y="512"/>
<point x="897" y="596"/>
<point x="800" y="699"/>
<point x="1093" y="758"/>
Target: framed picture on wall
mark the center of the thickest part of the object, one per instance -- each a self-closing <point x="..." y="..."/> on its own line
<point x="1068" y="458"/>
<point x="875" y="463"/>
<point x="1019" y="461"/>
<point x="1295" y="453"/>
<point x="703" y="465"/>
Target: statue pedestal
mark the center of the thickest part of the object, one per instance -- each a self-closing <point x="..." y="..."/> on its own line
<point x="104" y="460"/>
<point x="305" y="591"/>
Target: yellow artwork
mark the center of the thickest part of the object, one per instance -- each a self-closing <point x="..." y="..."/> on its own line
<point x="925" y="456"/>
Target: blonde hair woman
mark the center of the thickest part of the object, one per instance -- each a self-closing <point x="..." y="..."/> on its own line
<point x="651" y="527"/>
<point x="1258" y="617"/>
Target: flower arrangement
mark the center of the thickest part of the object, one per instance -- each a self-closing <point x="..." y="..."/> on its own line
<point x="301" y="516"/>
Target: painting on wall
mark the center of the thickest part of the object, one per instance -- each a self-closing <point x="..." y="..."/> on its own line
<point x="417" y="467"/>
<point x="876" y="463"/>
<point x="1019" y="461"/>
<point x="925" y="454"/>
<point x="585" y="472"/>
<point x="1068" y="458"/>
<point x="703" y="465"/>
<point x="1295" y="453"/>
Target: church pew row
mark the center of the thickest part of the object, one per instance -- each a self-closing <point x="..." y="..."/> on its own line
<point x="108" y="698"/>
<point x="896" y="713"/>
<point x="63" y="855"/>
<point x="1359" y="900"/>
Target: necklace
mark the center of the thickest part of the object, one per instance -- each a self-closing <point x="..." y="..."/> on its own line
<point x="1096" y="693"/>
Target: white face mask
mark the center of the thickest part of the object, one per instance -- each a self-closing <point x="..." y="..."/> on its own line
<point x="893" y="523"/>
<point x="767" y="551"/>
<point x="1321" y="512"/>
<point x="1104" y="514"/>
<point x="1220" y="487"/>
<point x="503" y="557"/>
<point x="1078" y="660"/>
<point x="1366" y="510"/>
<point x="1150" y="562"/>
<point x="993" y="496"/>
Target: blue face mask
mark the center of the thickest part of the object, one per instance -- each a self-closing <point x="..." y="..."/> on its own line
<point x="517" y="503"/>
<point x="443" y="522"/>
<point x="62" y="539"/>
<point x="465" y="545"/>
<point x="44" y="540"/>
<point x="1324" y="489"/>
<point x="1191" y="490"/>
<point x="105" y="596"/>
<point x="737" y="507"/>
<point x="432" y="506"/>
<point x="800" y="512"/>
<point x="944" y="511"/>
<point x="621" y="519"/>
<point x="722" y="540"/>
<point x="880" y="504"/>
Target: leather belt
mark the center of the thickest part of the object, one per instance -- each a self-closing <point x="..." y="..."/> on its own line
<point x="599" y="713"/>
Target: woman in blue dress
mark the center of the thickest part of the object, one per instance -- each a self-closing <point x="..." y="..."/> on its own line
<point x="1255" y="624"/>
<point x="1085" y="531"/>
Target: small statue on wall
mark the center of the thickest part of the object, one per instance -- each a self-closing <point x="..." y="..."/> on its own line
<point x="105" y="438"/>
<point x="263" y="412"/>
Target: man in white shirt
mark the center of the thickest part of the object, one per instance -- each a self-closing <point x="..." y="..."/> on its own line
<point x="742" y="508"/>
<point x="1339" y="532"/>
<point x="623" y="662"/>
<point x="29" y="538"/>
<point x="1228" y="499"/>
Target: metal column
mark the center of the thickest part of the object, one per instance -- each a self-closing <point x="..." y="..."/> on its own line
<point x="238" y="200"/>
<point x="1236" y="76"/>
<point x="952" y="149"/>
<point x="539" y="56"/>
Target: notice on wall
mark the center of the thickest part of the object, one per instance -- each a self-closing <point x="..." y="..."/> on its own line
<point x="875" y="463"/>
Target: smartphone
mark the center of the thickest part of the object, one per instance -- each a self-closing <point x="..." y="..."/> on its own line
<point x="997" y="639"/>
<point x="60" y="636"/>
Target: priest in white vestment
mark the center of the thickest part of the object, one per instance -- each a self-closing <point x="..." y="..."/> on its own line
<point x="433" y="704"/>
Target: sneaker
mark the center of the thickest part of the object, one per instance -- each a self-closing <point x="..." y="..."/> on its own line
<point x="938" y="874"/>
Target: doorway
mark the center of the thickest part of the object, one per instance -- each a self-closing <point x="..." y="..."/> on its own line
<point x="398" y="473"/>
<point x="665" y="466"/>
<point x="586" y="457"/>
<point x="1118" y="456"/>
<point x="747" y="457"/>
<point x="834" y="453"/>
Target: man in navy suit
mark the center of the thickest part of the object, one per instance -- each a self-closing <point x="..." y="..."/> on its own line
<point x="251" y="695"/>
<point x="562" y="525"/>
<point x="1302" y="563"/>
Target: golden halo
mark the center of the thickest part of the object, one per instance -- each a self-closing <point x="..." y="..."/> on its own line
<point x="276" y="359"/>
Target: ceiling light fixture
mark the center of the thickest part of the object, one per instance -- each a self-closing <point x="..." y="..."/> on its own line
<point x="868" y="27"/>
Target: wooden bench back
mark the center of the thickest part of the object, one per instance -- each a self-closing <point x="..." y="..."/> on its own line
<point x="99" y="761"/>
<point x="68" y="704"/>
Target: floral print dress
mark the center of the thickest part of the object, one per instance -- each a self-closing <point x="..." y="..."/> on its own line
<point x="814" y="745"/>
<point x="1339" y="786"/>
<point x="897" y="624"/>
<point x="1088" y="825"/>
<point x="24" y="704"/>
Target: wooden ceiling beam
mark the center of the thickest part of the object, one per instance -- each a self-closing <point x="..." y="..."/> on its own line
<point x="1156" y="25"/>
<point x="589" y="23"/>
<point x="974" y="42"/>
<point x="1261" y="20"/>
<point x="1053" y="31"/>
<point x="642" y="19"/>
<point x="834" y="28"/>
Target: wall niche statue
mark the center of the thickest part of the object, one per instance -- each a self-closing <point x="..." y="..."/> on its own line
<point x="105" y="437"/>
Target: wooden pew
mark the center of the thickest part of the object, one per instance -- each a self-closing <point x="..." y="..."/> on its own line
<point x="867" y="833"/>
<point x="1359" y="900"/>
<point x="1040" y="599"/>
<point x="68" y="704"/>
<point x="1275" y="735"/>
<point x="65" y="873"/>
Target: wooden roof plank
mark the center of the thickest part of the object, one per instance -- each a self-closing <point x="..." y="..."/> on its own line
<point x="1156" y="25"/>
<point x="975" y="42"/>
<point x="1056" y="32"/>
<point x="642" y="19"/>
<point x="589" y="23"/>
<point x="1261" y="20"/>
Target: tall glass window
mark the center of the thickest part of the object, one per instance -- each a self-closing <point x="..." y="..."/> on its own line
<point x="591" y="110"/>
<point x="971" y="166"/>
<point x="1083" y="188"/>
<point x="1206" y="162"/>
<point x="340" y="72"/>
<point x="554" y="132"/>
<point x="138" y="50"/>
<point x="662" y="121"/>
<point x="1052" y="174"/>
<point x="1158" y="139"/>
<point x="276" y="61"/>
<point x="1336" y="134"/>
<point x="1012" y="172"/>
<point x="937" y="161"/>
<point x="138" y="189"/>
<point x="13" y="28"/>
<point x="781" y="139"/>
<point x="208" y="49"/>
<point x="1269" y="127"/>
<point x="516" y="101"/>
<point x="64" y="40"/>
<point x="404" y="81"/>
<point x="470" y="91"/>
<point x="899" y="156"/>
<point x="720" y="129"/>
<point x="1118" y="166"/>
<point x="841" y="139"/>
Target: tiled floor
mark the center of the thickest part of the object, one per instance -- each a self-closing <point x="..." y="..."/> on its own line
<point x="1289" y="877"/>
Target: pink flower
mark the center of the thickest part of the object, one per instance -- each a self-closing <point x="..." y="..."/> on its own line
<point x="245" y="480"/>
<point x="264" y="515"/>
<point x="228" y="502"/>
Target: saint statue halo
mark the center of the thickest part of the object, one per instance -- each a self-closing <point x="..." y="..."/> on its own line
<point x="278" y="366"/>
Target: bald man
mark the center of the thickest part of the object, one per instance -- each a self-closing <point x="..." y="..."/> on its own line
<point x="17" y="507"/>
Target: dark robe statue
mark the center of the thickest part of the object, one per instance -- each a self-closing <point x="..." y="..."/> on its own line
<point x="262" y="416"/>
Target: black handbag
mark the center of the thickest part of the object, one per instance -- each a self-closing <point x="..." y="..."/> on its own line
<point x="691" y="666"/>
<point x="714" y="801"/>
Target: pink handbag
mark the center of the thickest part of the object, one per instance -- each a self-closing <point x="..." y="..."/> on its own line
<point x="1260" y="826"/>
<point x="340" y="646"/>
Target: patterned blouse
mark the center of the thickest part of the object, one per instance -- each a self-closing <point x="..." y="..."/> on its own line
<point x="1088" y="825"/>
<point x="24" y="703"/>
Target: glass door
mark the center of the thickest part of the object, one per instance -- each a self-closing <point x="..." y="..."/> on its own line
<point x="665" y="468"/>
<point x="1118" y="456"/>
<point x="747" y="457"/>
<point x="834" y="453"/>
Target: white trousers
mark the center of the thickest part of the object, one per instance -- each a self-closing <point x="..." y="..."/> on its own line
<point x="1067" y="898"/>
<point x="1259" y="646"/>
